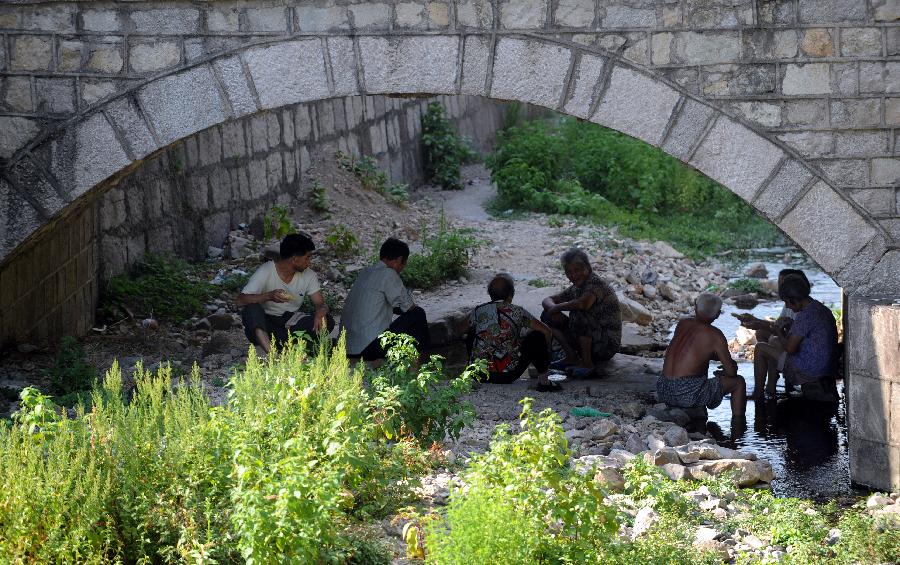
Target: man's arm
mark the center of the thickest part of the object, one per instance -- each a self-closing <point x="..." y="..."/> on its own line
<point x="720" y="350"/>
<point x="792" y="345"/>
<point x="540" y="326"/>
<point x="321" y="309"/>
<point x="583" y="303"/>
<point x="276" y="295"/>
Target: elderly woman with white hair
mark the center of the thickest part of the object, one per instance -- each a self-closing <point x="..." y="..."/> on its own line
<point x="684" y="382"/>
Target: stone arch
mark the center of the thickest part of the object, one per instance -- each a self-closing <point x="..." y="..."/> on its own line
<point x="51" y="174"/>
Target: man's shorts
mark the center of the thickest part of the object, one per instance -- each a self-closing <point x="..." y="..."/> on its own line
<point x="690" y="392"/>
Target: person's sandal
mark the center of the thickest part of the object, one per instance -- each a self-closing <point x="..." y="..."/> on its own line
<point x="548" y="387"/>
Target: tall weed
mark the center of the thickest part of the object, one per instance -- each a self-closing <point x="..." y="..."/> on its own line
<point x="445" y="256"/>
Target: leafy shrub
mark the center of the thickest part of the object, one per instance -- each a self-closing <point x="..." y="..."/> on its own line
<point x="416" y="403"/>
<point x="747" y="286"/>
<point x="341" y="240"/>
<point x="70" y="371"/>
<point x="318" y="198"/>
<point x="445" y="256"/>
<point x="445" y="150"/>
<point x="579" y="168"/>
<point x="277" y="223"/>
<point x="398" y="194"/>
<point x="365" y="169"/>
<point x="158" y="286"/>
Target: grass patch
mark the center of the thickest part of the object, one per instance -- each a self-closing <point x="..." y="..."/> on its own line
<point x="581" y="169"/>
<point x="747" y="286"/>
<point x="538" y="283"/>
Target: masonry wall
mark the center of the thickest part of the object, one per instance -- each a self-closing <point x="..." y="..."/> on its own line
<point x="191" y="194"/>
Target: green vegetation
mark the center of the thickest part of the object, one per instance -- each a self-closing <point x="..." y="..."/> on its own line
<point x="342" y="241"/>
<point x="398" y="194"/>
<point x="445" y="256"/>
<point x="318" y="198"/>
<point x="747" y="286"/>
<point x="157" y="286"/>
<point x="579" y="168"/>
<point x="71" y="375"/>
<point x="373" y="178"/>
<point x="539" y="283"/>
<point x="445" y="150"/>
<point x="277" y="223"/>
<point x="285" y="472"/>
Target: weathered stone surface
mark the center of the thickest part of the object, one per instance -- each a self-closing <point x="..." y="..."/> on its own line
<point x="739" y="80"/>
<point x="861" y="42"/>
<point x="707" y="48"/>
<point x="522" y="14"/>
<point x="877" y="77"/>
<point x="690" y="124"/>
<point x="857" y="271"/>
<point x="736" y="157"/>
<point x="325" y="18"/>
<point x="823" y="11"/>
<point x="476" y="57"/>
<point x="861" y="143"/>
<point x="31" y="53"/>
<point x="146" y="57"/>
<point x="475" y="13"/>
<point x="574" y="13"/>
<point x="628" y="17"/>
<point x="790" y="180"/>
<point x="166" y="20"/>
<point x="765" y="114"/>
<point x="886" y="10"/>
<point x="849" y="173"/>
<point x="812" y="78"/>
<point x="18" y="218"/>
<point x="267" y="19"/>
<point x="89" y="155"/>
<point x="288" y="72"/>
<point x="55" y="95"/>
<point x="16" y="133"/>
<point x="124" y="115"/>
<point x="856" y="113"/>
<point x="806" y="112"/>
<point x="587" y="75"/>
<point x="820" y="212"/>
<point x="92" y="91"/>
<point x="370" y="16"/>
<point x="872" y="406"/>
<point x="182" y="104"/>
<point x="892" y="112"/>
<point x="770" y="44"/>
<point x="101" y="20"/>
<point x="844" y="78"/>
<point x="56" y="18"/>
<point x="883" y="280"/>
<point x="234" y="82"/>
<point x="636" y="105"/>
<point x="874" y="464"/>
<point x="106" y="59"/>
<point x="886" y="171"/>
<point x="409" y="64"/>
<point x="817" y="43"/>
<point x="16" y="93"/>
<point x="410" y="15"/>
<point x="344" y="70"/>
<point x="810" y="143"/>
<point x="530" y="71"/>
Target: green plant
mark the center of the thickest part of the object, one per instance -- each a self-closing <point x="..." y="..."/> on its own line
<point x="277" y="223"/>
<point x="398" y="194"/>
<point x="36" y="413"/>
<point x="157" y="286"/>
<point x="445" y="150"/>
<point x="365" y="169"/>
<point x="318" y="198"/>
<point x="747" y="286"/>
<point x="445" y="256"/>
<point x="235" y="282"/>
<point x="538" y="283"/>
<point x="70" y="371"/>
<point x="341" y="241"/>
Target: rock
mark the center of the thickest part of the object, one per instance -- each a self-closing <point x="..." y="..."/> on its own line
<point x="202" y="324"/>
<point x="756" y="271"/>
<point x="670" y="414"/>
<point x="633" y="277"/>
<point x="745" y="336"/>
<point x="621" y="456"/>
<point x="333" y="274"/>
<point x="688" y="457"/>
<point x="633" y="410"/>
<point x="662" y="456"/>
<point x="887" y="517"/>
<point x="834" y="536"/>
<point x="878" y="500"/>
<point x="238" y="247"/>
<point x="649" y="276"/>
<point x="214" y="252"/>
<point x="667" y="292"/>
<point x="654" y="443"/>
<point x="675" y="471"/>
<point x="650" y="292"/>
<point x="675" y="436"/>
<point x="731" y="293"/>
<point x="150" y="324"/>
<point x="220" y="321"/>
<point x="635" y="444"/>
<point x="744" y="471"/>
<point x="633" y="311"/>
<point x="705" y="534"/>
<point x="645" y="519"/>
<point x="610" y="478"/>
<point x="604" y="428"/>
<point x="26" y="348"/>
<point x="272" y="251"/>
<point x="727" y="453"/>
<point x="746" y="301"/>
<point x="574" y="434"/>
<point x="712" y="503"/>
<point x="665" y="250"/>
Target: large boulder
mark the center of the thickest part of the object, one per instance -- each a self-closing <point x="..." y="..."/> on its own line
<point x="633" y="311"/>
<point x="744" y="471"/>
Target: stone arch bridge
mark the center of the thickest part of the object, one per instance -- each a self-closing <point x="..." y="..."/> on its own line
<point x="794" y="105"/>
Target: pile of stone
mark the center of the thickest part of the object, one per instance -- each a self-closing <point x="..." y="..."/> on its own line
<point x="885" y="509"/>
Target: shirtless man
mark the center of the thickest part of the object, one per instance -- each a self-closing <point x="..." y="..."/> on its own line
<point x="696" y="342"/>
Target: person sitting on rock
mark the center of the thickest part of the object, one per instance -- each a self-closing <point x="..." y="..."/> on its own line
<point x="684" y="382"/>
<point x="272" y="297"/>
<point x="592" y="332"/>
<point x="808" y="353"/>
<point x="377" y="294"/>
<point x="495" y="335"/>
<point x="766" y="329"/>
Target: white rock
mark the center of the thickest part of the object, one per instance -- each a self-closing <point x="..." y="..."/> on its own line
<point x="878" y="500"/>
<point x="675" y="471"/>
<point x="745" y="336"/>
<point x="650" y="292"/>
<point x="645" y="519"/>
<point x="654" y="442"/>
<point x="633" y="311"/>
<point x="665" y="250"/>
<point x="756" y="271"/>
<point x="705" y="534"/>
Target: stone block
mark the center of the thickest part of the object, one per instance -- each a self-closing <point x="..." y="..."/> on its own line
<point x="845" y="78"/>
<point x="31" y="53"/>
<point x="777" y="11"/>
<point x="223" y="19"/>
<point x="88" y="153"/>
<point x="861" y="42"/>
<point x="806" y="112"/>
<point x="166" y="20"/>
<point x="892" y="111"/>
<point x="438" y="15"/>
<point x="874" y="464"/>
<point x="101" y="20"/>
<point x="522" y="14"/>
<point x="574" y="13"/>
<point x="637" y="105"/>
<point x="886" y="10"/>
<point x="20" y="219"/>
<point x="886" y="171"/>
<point x="739" y="80"/>
<point x="769" y="44"/>
<point x="530" y="71"/>
<point x="831" y="11"/>
<point x="30" y="180"/>
<point x="49" y="18"/>
<point x="267" y="19"/>
<point x="586" y="79"/>
<point x="857" y="271"/>
<point x="182" y="104"/>
<point x="628" y="17"/>
<point x="475" y="13"/>
<point x="55" y="95"/>
<point x="370" y="16"/>
<point x="877" y="77"/>
<point x="148" y="57"/>
<point x="16" y="93"/>
<point x="233" y="144"/>
<point x="125" y="116"/>
<point x="877" y="201"/>
<point x="818" y="215"/>
<point x="870" y="414"/>
<point x="234" y="82"/>
<point x="893" y="40"/>
<point x="811" y="78"/>
<point x="287" y="73"/>
<point x="810" y="143"/>
<point x="661" y="48"/>
<point x="16" y="133"/>
<point x="690" y="124"/>
<point x="856" y="113"/>
<point x="70" y="55"/>
<point x="343" y="66"/>
<point x="849" y="173"/>
<point x="736" y="157"/>
<point x="707" y="48"/>
<point x="410" y="15"/>
<point x="424" y="64"/>
<point x="476" y="56"/>
<point x="783" y="189"/>
<point x="765" y="114"/>
<point x="322" y="18"/>
<point x="817" y="43"/>
<point x="106" y="58"/>
<point x="92" y="91"/>
<point x="883" y="281"/>
<point x="861" y="143"/>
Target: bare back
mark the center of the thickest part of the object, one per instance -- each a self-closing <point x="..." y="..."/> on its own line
<point x="693" y="345"/>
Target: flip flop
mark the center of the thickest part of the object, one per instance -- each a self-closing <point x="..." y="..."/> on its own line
<point x="549" y="387"/>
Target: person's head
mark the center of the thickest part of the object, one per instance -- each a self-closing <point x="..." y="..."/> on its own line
<point x="394" y="253"/>
<point x="577" y="266"/>
<point x="796" y="272"/>
<point x="296" y="249"/>
<point x="794" y="290"/>
<point x="708" y="306"/>
<point x="502" y="287"/>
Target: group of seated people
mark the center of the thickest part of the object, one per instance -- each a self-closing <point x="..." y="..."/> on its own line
<point x="584" y="319"/>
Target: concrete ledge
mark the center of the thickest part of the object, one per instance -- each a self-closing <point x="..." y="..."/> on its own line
<point x="530" y="71"/>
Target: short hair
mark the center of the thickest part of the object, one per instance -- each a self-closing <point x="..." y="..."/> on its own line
<point x="573" y="255"/>
<point x="295" y="244"/>
<point x="392" y="248"/>
<point x="708" y="304"/>
<point x="501" y="287"/>
<point x="784" y="273"/>
<point x="793" y="288"/>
